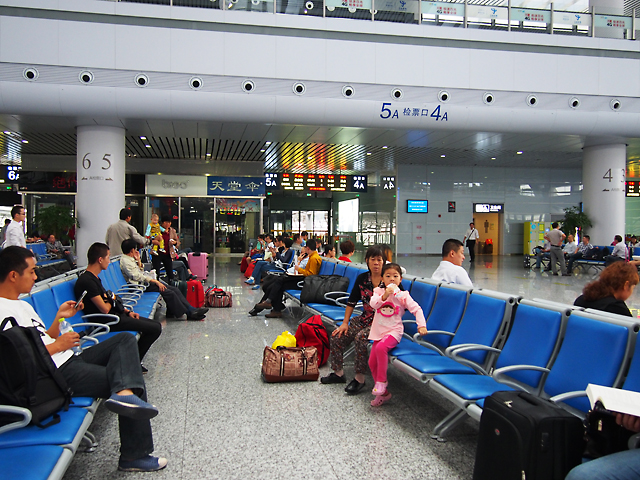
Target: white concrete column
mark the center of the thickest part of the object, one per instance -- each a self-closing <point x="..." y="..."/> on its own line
<point x="603" y="195"/>
<point x="100" y="167"/>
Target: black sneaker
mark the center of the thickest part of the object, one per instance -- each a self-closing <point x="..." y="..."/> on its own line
<point x="333" y="378"/>
<point x="144" y="464"/>
<point x="354" y="387"/>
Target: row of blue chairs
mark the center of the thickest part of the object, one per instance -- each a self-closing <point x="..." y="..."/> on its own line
<point x="134" y="296"/>
<point x="44" y="259"/>
<point x="588" y="263"/>
<point x="481" y="342"/>
<point x="55" y="446"/>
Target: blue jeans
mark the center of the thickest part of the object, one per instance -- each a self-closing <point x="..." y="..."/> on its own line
<point x="262" y="266"/>
<point x="618" y="466"/>
<point x="540" y="256"/>
<point x="109" y="367"/>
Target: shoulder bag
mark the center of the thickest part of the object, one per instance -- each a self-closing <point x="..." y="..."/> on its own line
<point x="285" y="364"/>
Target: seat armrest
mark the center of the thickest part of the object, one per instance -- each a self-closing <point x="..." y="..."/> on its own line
<point x="465" y="347"/>
<point x="455" y="351"/>
<point x="88" y="338"/>
<point x="26" y="417"/>
<point x="115" y="318"/>
<point x="97" y="327"/>
<point x="128" y="294"/>
<point x="417" y="336"/>
<point x="129" y="287"/>
<point x="338" y="296"/>
<point x="499" y="374"/>
<point x="563" y="397"/>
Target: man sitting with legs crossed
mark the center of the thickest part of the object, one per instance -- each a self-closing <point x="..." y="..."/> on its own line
<point x="110" y="369"/>
<point x="275" y="300"/>
<point x="133" y="271"/>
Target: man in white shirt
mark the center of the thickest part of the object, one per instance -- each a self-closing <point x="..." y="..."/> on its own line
<point x="619" y="252"/>
<point x="470" y="237"/>
<point x="110" y="369"/>
<point x="570" y="247"/>
<point x="619" y="248"/>
<point x="15" y="230"/>
<point x="450" y="269"/>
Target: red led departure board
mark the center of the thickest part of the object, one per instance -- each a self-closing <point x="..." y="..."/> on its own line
<point x="315" y="182"/>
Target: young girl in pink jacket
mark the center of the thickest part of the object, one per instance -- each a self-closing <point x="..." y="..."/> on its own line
<point x="390" y="304"/>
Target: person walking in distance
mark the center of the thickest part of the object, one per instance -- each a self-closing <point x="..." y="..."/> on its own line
<point x="555" y="237"/>
<point x="470" y="238"/>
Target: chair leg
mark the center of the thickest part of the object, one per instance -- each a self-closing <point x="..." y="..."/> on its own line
<point x="349" y="351"/>
<point x="456" y="418"/>
<point x="89" y="441"/>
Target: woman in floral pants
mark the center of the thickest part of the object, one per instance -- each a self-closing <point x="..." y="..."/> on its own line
<point x="356" y="329"/>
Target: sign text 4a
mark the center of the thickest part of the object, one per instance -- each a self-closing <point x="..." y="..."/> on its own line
<point x="437" y="114"/>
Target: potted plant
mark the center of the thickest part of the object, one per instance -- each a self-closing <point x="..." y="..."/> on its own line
<point x="55" y="220"/>
<point x="575" y="219"/>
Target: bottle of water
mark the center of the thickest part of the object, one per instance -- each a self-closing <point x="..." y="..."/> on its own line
<point x="66" y="327"/>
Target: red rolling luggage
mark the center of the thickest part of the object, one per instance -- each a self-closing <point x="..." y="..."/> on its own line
<point x="199" y="265"/>
<point x="244" y="264"/>
<point x="249" y="271"/>
<point x="195" y="294"/>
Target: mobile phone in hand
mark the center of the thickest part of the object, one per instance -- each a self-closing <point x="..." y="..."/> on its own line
<point x="80" y="300"/>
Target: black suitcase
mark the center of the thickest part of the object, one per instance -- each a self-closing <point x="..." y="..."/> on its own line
<point x="523" y="437"/>
<point x="180" y="285"/>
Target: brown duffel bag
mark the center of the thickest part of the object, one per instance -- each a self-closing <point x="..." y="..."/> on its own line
<point x="284" y="364"/>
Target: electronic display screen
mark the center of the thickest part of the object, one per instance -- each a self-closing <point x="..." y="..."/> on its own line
<point x="315" y="182"/>
<point x="417" y="206"/>
<point x="633" y="189"/>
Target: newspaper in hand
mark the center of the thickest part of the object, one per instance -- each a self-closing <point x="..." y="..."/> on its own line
<point x="615" y="399"/>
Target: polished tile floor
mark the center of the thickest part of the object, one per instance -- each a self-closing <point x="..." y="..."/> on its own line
<point x="218" y="420"/>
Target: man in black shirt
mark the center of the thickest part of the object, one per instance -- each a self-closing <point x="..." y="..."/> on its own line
<point x="97" y="300"/>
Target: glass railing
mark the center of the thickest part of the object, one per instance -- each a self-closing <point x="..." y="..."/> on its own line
<point x="468" y="14"/>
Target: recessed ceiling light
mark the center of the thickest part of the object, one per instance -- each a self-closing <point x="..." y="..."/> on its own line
<point x="385" y="147"/>
<point x="368" y="153"/>
<point x="143" y="138"/>
<point x="493" y="158"/>
<point x="25" y="141"/>
<point x="518" y="153"/>
<point x="263" y="150"/>
<point x="7" y="132"/>
<point x="310" y="157"/>
<point x="208" y="154"/>
<point x="267" y="143"/>
<point x="442" y="156"/>
<point x="148" y="146"/>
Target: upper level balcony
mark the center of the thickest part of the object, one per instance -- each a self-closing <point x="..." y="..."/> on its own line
<point x="565" y="17"/>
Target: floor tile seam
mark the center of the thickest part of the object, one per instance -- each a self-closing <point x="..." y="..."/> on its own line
<point x="185" y="432"/>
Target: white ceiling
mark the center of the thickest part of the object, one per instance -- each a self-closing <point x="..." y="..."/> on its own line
<point x="295" y="147"/>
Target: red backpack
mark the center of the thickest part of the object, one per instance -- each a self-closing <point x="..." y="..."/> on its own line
<point x="311" y="333"/>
